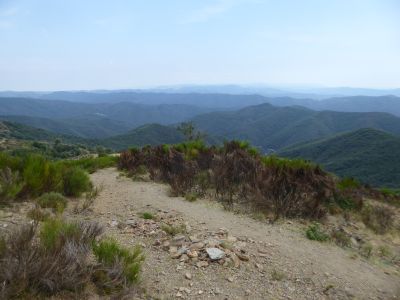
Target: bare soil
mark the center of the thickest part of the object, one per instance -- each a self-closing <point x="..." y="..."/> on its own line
<point x="283" y="263"/>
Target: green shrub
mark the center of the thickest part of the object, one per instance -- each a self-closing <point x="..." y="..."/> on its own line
<point x="191" y="197"/>
<point x="379" y="218"/>
<point x="38" y="215"/>
<point x="110" y="253"/>
<point x="53" y="200"/>
<point x="2" y="245"/>
<point x="54" y="232"/>
<point x="10" y="185"/>
<point x="92" y="164"/>
<point x="341" y="238"/>
<point x="173" y="229"/>
<point x="41" y="176"/>
<point x="76" y="182"/>
<point x="203" y="182"/>
<point x="345" y="202"/>
<point x="34" y="269"/>
<point x="387" y="192"/>
<point x="277" y="275"/>
<point x="366" y="250"/>
<point x="316" y="234"/>
<point x="348" y="183"/>
<point x="384" y="251"/>
<point x="273" y="161"/>
<point x="15" y="163"/>
<point x="147" y="216"/>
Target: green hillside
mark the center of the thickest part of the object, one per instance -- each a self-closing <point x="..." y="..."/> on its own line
<point x="84" y="118"/>
<point x="150" y="134"/>
<point x="86" y="126"/>
<point x="11" y="130"/>
<point x="271" y="127"/>
<point x="370" y="155"/>
<point x="18" y="138"/>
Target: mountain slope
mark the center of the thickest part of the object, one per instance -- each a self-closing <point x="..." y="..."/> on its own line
<point x="96" y="119"/>
<point x="389" y="104"/>
<point x="272" y="127"/>
<point x="231" y="96"/>
<point x="15" y="131"/>
<point x="370" y="155"/>
<point x="150" y="134"/>
<point x="89" y="126"/>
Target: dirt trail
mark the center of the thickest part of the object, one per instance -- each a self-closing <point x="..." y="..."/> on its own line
<point x="310" y="270"/>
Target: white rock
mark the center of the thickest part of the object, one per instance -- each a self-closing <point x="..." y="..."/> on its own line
<point x="113" y="223"/>
<point x="215" y="253"/>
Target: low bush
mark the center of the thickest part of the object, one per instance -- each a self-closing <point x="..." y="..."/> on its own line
<point x="90" y="196"/>
<point x="345" y="202"/>
<point x="75" y="182"/>
<point x="147" y="216"/>
<point x="173" y="229"/>
<point x="29" y="269"/>
<point x="239" y="175"/>
<point x="54" y="232"/>
<point x="348" y="183"/>
<point x="366" y="250"/>
<point x="38" y="215"/>
<point x="121" y="265"/>
<point x="387" y="192"/>
<point x="379" y="218"/>
<point x="191" y="197"/>
<point x="294" y="188"/>
<point x="277" y="275"/>
<point x="41" y="176"/>
<point x="58" y="257"/>
<point x="315" y="233"/>
<point x="92" y="164"/>
<point x="10" y="185"/>
<point x="53" y="200"/>
<point x="341" y="238"/>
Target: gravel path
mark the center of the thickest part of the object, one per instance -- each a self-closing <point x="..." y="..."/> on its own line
<point x="282" y="264"/>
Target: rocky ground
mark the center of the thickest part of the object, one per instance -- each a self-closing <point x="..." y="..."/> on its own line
<point x="211" y="253"/>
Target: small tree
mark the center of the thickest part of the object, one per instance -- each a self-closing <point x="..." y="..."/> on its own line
<point x="190" y="132"/>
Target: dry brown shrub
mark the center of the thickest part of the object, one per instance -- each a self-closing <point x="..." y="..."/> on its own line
<point x="235" y="173"/>
<point x="294" y="192"/>
<point x="29" y="269"/>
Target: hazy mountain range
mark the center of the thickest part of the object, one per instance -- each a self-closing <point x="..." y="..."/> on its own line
<point x="367" y="154"/>
<point x="231" y="89"/>
<point x="327" y="131"/>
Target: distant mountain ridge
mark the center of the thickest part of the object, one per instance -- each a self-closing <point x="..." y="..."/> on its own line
<point x="316" y="93"/>
<point x="267" y="126"/>
<point x="149" y="134"/>
<point x="93" y="120"/>
<point x="272" y="128"/>
<point x="86" y="126"/>
<point x="367" y="154"/>
<point x="15" y="131"/>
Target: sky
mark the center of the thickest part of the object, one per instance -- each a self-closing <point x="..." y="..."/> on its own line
<point x="96" y="44"/>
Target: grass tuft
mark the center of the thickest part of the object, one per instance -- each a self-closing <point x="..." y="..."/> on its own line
<point x="55" y="201"/>
<point x="147" y="216"/>
<point x="314" y="233"/>
<point x="111" y="254"/>
<point x="173" y="229"/>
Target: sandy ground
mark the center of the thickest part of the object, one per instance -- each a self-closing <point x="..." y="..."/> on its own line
<point x="308" y="269"/>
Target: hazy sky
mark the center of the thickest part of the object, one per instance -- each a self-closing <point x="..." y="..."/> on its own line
<point x="91" y="44"/>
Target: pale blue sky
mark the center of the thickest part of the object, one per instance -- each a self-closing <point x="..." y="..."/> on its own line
<point x="94" y="44"/>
